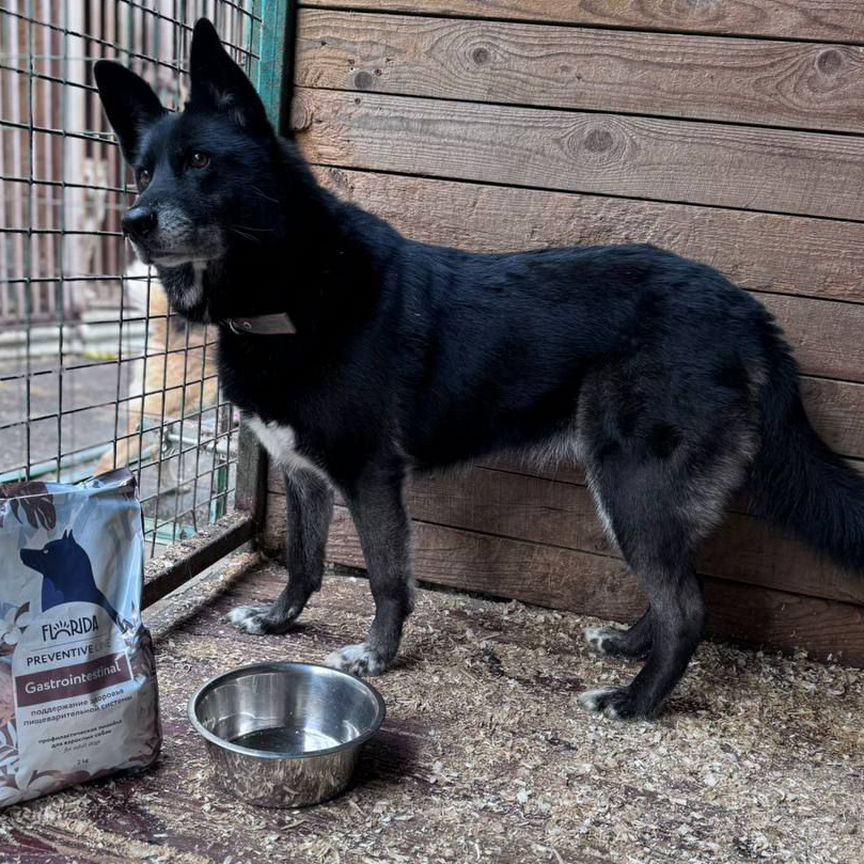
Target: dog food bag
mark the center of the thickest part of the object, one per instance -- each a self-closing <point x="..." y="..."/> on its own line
<point x="78" y="696"/>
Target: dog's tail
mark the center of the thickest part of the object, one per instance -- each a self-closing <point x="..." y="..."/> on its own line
<point x="797" y="480"/>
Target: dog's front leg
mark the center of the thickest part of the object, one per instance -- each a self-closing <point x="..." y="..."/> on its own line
<point x="309" y="506"/>
<point x="381" y="520"/>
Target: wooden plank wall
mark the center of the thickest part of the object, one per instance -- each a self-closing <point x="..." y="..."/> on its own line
<point x="732" y="133"/>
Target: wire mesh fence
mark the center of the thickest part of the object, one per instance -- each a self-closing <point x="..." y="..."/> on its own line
<point x="95" y="372"/>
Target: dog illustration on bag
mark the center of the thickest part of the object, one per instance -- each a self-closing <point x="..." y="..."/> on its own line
<point x="67" y="575"/>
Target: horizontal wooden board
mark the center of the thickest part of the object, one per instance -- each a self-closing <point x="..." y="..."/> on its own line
<point x="601" y="586"/>
<point x="563" y="514"/>
<point x="826" y="335"/>
<point x="795" y="84"/>
<point x="836" y="410"/>
<point x="761" y="251"/>
<point x="572" y="473"/>
<point x="553" y="577"/>
<point x="669" y="160"/>
<point x="841" y="20"/>
<point x="554" y="514"/>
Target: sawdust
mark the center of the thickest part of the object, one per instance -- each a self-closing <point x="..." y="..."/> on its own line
<point x="486" y="756"/>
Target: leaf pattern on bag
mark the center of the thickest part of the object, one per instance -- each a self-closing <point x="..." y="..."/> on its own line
<point x="30" y="501"/>
<point x="8" y="749"/>
<point x="12" y="626"/>
<point x="27" y="783"/>
<point x="7" y="697"/>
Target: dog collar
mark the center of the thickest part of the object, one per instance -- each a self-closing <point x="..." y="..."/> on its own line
<point x="278" y="324"/>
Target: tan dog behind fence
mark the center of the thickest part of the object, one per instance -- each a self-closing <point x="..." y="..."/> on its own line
<point x="175" y="377"/>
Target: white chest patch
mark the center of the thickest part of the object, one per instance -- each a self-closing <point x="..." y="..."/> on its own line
<point x="196" y="290"/>
<point x="281" y="443"/>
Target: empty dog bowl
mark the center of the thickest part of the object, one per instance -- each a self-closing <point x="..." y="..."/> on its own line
<point x="285" y="734"/>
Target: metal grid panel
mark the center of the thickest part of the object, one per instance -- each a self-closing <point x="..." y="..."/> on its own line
<point x="94" y="370"/>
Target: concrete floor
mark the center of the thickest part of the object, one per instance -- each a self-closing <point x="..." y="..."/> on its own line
<point x="486" y="755"/>
<point x="88" y="388"/>
<point x="94" y="384"/>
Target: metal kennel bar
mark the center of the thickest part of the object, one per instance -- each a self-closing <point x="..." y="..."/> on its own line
<point x="95" y="371"/>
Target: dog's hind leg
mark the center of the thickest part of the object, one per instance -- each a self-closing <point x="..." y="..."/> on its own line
<point x="660" y="507"/>
<point x="663" y="470"/>
<point x="309" y="504"/>
<point x="382" y="522"/>
<point x="657" y="540"/>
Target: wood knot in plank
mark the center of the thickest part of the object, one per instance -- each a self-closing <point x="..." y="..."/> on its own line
<point x="480" y="56"/>
<point x="829" y="61"/>
<point x="598" y="141"/>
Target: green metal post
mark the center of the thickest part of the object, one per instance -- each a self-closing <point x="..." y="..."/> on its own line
<point x="275" y="68"/>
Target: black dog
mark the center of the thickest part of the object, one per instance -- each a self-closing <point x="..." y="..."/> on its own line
<point x="673" y="387"/>
<point x="67" y="575"/>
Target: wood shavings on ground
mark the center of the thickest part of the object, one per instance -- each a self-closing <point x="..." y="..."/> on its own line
<point x="486" y="755"/>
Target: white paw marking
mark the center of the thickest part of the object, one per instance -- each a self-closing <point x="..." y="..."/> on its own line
<point x="356" y="659"/>
<point x="594" y="637"/>
<point x="592" y="701"/>
<point x="597" y="637"/>
<point x="248" y="618"/>
<point x="241" y="613"/>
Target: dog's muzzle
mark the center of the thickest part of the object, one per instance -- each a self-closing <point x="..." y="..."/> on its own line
<point x="139" y="223"/>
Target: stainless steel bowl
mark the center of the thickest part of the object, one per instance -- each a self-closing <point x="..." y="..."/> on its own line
<point x="285" y="734"/>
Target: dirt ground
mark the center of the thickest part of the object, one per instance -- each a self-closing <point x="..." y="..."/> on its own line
<point x="486" y="755"/>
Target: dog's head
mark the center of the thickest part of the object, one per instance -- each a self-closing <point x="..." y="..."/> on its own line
<point x="205" y="175"/>
<point x="58" y="560"/>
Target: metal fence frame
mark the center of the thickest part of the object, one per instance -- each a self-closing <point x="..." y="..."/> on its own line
<point x="271" y="31"/>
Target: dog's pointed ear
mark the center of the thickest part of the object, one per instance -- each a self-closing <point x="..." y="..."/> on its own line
<point x="65" y="535"/>
<point x="218" y="83"/>
<point x="129" y="102"/>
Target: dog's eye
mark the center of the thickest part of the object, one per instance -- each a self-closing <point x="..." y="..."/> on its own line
<point x="199" y="159"/>
<point x="143" y="179"/>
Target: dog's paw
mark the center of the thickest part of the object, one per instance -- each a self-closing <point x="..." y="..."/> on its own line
<point x="358" y="660"/>
<point x="611" y="642"/>
<point x="599" y="638"/>
<point x="613" y="702"/>
<point x="250" y="619"/>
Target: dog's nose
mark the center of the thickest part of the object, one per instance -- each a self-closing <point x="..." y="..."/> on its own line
<point x="139" y="222"/>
